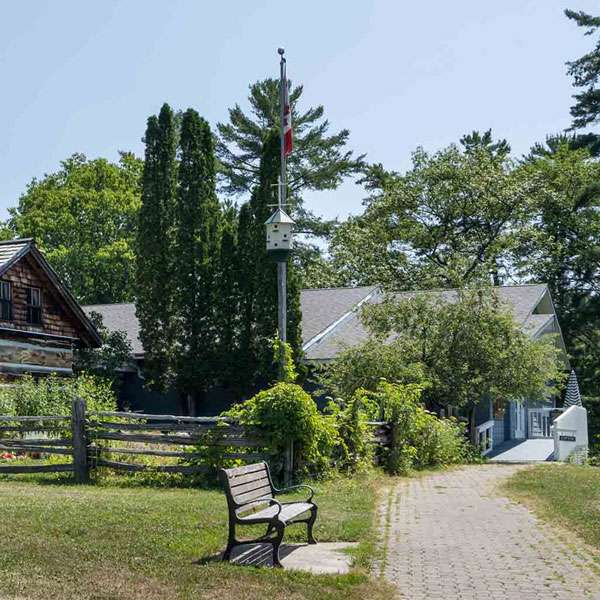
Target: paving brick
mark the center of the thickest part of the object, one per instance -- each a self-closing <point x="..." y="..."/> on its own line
<point x="453" y="535"/>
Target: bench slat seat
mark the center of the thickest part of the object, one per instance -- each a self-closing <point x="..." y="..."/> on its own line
<point x="251" y="487"/>
<point x="288" y="512"/>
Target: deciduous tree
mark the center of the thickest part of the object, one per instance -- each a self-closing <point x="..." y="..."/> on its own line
<point x="83" y="218"/>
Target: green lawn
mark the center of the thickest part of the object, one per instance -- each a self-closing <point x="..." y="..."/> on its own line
<point x="62" y="541"/>
<point x="565" y="494"/>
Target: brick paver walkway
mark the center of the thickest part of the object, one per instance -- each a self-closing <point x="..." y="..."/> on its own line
<point x="453" y="535"/>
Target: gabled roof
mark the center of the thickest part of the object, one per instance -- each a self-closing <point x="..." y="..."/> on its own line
<point x="522" y="300"/>
<point x="280" y="216"/>
<point x="12" y="251"/>
<point x="330" y="316"/>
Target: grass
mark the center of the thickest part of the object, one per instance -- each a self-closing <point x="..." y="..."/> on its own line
<point x="565" y="494"/>
<point x="62" y="541"/>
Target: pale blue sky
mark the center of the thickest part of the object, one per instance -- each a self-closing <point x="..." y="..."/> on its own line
<point x="84" y="76"/>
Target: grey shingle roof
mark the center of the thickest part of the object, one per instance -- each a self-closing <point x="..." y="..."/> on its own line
<point x="322" y="307"/>
<point x="11" y="250"/>
<point x="120" y="317"/>
<point x="522" y="300"/>
<point x="330" y="319"/>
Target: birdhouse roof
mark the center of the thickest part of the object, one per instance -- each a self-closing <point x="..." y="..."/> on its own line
<point x="279" y="216"/>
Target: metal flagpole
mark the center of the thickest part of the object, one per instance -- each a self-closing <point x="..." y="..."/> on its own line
<point x="282" y="264"/>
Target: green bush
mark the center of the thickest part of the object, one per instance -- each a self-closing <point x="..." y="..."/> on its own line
<point x="354" y="450"/>
<point x="53" y="395"/>
<point x="284" y="413"/>
<point x="419" y="438"/>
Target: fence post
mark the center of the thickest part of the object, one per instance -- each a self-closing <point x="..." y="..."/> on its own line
<point x="80" y="446"/>
<point x="288" y="469"/>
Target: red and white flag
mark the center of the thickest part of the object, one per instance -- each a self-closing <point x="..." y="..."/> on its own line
<point x="288" y="142"/>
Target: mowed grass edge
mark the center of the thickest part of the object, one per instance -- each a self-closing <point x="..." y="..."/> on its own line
<point x="565" y="494"/>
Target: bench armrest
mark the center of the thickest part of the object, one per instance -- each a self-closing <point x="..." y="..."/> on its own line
<point x="296" y="487"/>
<point x="262" y="499"/>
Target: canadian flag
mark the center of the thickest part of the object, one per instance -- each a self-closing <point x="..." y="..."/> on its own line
<point x="288" y="142"/>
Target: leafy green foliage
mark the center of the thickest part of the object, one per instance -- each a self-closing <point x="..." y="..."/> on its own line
<point x="319" y="161"/>
<point x="258" y="283"/>
<point x="419" y="438"/>
<point x="585" y="72"/>
<point x="83" y="218"/>
<point x="154" y="266"/>
<point x="453" y="213"/>
<point x="364" y="365"/>
<point x="560" y="245"/>
<point x="470" y="347"/>
<point x="195" y="260"/>
<point x="53" y="395"/>
<point x="354" y="451"/>
<point x="283" y="357"/>
<point x="457" y="350"/>
<point x="285" y="413"/>
<point x="105" y="361"/>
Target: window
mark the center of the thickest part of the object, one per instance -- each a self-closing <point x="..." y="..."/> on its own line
<point x="34" y="306"/>
<point x="5" y="301"/>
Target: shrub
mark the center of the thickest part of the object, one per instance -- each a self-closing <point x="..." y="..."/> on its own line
<point x="364" y="366"/>
<point x="354" y="450"/>
<point x="284" y="413"/>
<point x="419" y="438"/>
<point x="53" y="395"/>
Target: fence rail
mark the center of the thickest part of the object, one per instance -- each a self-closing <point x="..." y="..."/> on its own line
<point x="50" y="438"/>
<point x="117" y="440"/>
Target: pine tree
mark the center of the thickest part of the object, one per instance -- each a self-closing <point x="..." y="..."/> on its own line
<point x="585" y="72"/>
<point x="154" y="300"/>
<point x="196" y="252"/>
<point x="258" y="292"/>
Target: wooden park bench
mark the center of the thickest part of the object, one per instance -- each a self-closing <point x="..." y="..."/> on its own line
<point x="250" y="499"/>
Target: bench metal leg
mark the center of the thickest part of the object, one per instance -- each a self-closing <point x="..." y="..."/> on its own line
<point x="276" y="543"/>
<point x="231" y="542"/>
<point x="309" y="525"/>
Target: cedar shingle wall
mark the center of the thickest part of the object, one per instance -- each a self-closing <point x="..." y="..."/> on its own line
<point x="54" y="320"/>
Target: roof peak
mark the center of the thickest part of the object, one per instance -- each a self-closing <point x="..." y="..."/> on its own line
<point x="28" y="240"/>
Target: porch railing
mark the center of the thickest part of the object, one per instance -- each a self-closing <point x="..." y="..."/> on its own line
<point x="485" y="437"/>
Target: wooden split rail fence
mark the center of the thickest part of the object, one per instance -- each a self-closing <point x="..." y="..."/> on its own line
<point x="107" y="439"/>
<point x="115" y="440"/>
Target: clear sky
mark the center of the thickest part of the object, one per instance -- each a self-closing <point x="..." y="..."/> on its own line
<point x="83" y="76"/>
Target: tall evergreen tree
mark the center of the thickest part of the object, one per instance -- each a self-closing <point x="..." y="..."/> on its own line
<point x="586" y="73"/>
<point x="154" y="299"/>
<point x="246" y="349"/>
<point x="196" y="250"/>
<point x="259" y="288"/>
<point x="227" y="299"/>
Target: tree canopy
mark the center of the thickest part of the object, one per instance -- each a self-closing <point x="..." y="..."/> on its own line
<point x="464" y="350"/>
<point x="83" y="217"/>
<point x="320" y="160"/>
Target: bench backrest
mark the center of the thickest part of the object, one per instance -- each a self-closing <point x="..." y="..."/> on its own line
<point x="245" y="484"/>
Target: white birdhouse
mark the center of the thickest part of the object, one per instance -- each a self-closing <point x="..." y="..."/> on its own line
<point x="279" y="235"/>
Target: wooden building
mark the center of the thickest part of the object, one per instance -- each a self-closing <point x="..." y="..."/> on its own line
<point x="41" y="323"/>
